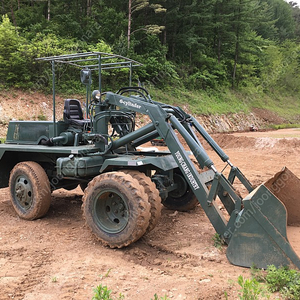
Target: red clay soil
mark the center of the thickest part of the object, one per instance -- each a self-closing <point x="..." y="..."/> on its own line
<point x="57" y="257"/>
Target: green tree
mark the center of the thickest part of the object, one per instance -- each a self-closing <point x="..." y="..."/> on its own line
<point x="135" y="6"/>
<point x="283" y="15"/>
<point x="296" y="16"/>
<point x="10" y="42"/>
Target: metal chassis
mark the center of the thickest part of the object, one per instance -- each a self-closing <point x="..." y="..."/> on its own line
<point x="165" y="121"/>
<point x="94" y="61"/>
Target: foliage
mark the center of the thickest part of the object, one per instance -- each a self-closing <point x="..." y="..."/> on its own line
<point x="156" y="68"/>
<point x="258" y="274"/>
<point x="161" y="298"/>
<point x="251" y="289"/>
<point x="283" y="126"/>
<point x="284" y="23"/>
<point x="218" y="242"/>
<point x="139" y="6"/>
<point x="284" y="280"/>
<point x="199" y="45"/>
<point x="10" y="42"/>
<point x="103" y="293"/>
<point x="42" y="117"/>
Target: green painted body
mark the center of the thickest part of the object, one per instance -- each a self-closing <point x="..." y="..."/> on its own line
<point x="31" y="132"/>
<point x="70" y="156"/>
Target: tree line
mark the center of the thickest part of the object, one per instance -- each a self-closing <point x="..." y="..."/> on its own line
<point x="199" y="44"/>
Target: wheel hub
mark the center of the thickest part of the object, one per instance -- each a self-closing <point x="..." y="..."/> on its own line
<point x="182" y="186"/>
<point x="111" y="212"/>
<point x="23" y="192"/>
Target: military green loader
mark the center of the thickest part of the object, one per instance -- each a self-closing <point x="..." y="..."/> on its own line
<point x="124" y="189"/>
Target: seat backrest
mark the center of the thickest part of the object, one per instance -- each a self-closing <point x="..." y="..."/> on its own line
<point x="73" y="110"/>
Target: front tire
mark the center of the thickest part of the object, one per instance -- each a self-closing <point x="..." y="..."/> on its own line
<point x="29" y="190"/>
<point x="116" y="209"/>
<point x="153" y="196"/>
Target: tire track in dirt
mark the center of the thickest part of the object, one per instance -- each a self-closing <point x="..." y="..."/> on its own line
<point x="23" y="269"/>
<point x="169" y="253"/>
<point x="177" y="258"/>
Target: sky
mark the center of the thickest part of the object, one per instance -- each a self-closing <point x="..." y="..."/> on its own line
<point x="297" y="1"/>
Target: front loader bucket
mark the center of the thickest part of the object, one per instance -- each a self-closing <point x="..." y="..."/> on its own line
<point x="286" y="187"/>
<point x="260" y="236"/>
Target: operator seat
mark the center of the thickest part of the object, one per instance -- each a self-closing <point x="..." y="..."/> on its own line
<point x="73" y="114"/>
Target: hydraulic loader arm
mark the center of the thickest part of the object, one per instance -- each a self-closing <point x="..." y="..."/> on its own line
<point x="256" y="229"/>
<point x="165" y="120"/>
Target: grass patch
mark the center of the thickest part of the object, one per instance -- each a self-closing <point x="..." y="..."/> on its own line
<point x="284" y="126"/>
<point x="102" y="293"/>
<point x="264" y="282"/>
<point x="218" y="242"/>
<point x="201" y="102"/>
<point x="2" y="140"/>
<point x="42" y="117"/>
<point x="161" y="298"/>
<point x="282" y="280"/>
<point x="251" y="289"/>
<point x="225" y="101"/>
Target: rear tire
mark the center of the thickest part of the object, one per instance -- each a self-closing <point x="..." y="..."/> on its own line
<point x="183" y="198"/>
<point x="153" y="196"/>
<point x="116" y="209"/>
<point x="29" y="190"/>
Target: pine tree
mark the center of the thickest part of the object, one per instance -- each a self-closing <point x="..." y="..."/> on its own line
<point x="135" y="6"/>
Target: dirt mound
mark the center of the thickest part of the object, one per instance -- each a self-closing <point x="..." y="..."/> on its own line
<point x="289" y="142"/>
<point x="230" y="141"/>
<point x="268" y="116"/>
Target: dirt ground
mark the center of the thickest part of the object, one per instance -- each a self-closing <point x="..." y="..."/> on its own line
<point x="57" y="257"/>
